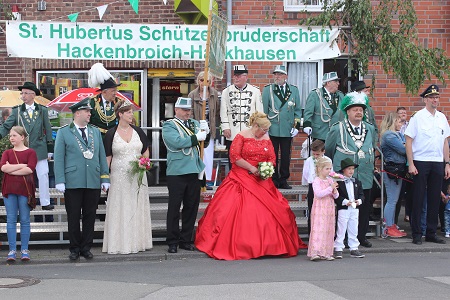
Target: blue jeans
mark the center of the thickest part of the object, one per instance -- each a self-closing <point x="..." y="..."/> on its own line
<point x="447" y="218"/>
<point x="17" y="204"/>
<point x="392" y="192"/>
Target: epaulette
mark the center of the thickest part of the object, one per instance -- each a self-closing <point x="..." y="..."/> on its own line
<point x="293" y="85"/>
<point x="335" y="123"/>
<point x="92" y="125"/>
<point x="268" y="84"/>
<point x="64" y="126"/>
<point x="16" y="106"/>
<point x="253" y="85"/>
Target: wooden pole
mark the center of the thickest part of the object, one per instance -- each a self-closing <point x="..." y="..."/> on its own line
<point x="206" y="74"/>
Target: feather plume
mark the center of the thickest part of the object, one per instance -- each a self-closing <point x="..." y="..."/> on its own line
<point x="98" y="75"/>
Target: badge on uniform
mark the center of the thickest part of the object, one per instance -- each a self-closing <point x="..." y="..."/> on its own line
<point x="361" y="154"/>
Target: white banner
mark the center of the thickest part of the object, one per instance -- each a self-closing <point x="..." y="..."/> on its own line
<point x="100" y="41"/>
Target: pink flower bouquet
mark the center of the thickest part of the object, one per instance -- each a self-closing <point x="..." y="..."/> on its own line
<point x="336" y="176"/>
<point x="139" y="167"/>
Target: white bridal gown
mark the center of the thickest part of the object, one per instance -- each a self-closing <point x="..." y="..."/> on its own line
<point x="128" y="224"/>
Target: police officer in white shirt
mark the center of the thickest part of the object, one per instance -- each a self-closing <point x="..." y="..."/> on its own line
<point x="428" y="160"/>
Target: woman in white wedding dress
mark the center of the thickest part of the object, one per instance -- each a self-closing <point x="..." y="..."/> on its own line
<point x="128" y="224"/>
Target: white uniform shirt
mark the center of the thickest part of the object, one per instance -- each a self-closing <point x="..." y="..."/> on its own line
<point x="428" y="133"/>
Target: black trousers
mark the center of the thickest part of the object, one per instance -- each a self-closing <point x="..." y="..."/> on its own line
<point x="429" y="178"/>
<point x="182" y="189"/>
<point x="282" y="145"/>
<point x="77" y="202"/>
<point x="364" y="213"/>
<point x="310" y="198"/>
<point x="228" y="144"/>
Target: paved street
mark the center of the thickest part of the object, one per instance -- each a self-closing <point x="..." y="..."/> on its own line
<point x="409" y="275"/>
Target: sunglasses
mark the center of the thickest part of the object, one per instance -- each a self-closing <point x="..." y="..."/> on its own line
<point x="202" y="80"/>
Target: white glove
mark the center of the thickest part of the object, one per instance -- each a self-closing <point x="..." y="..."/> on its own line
<point x="105" y="186"/>
<point x="307" y="130"/>
<point x="204" y="126"/>
<point x="359" y="201"/>
<point x="345" y="202"/>
<point x="294" y="132"/>
<point x="50" y="155"/>
<point x="61" y="187"/>
<point x="201" y="136"/>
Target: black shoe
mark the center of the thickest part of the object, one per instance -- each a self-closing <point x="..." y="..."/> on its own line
<point x="187" y="246"/>
<point x="417" y="240"/>
<point x="365" y="243"/>
<point x="87" y="254"/>
<point x="434" y="239"/>
<point x="285" y="186"/>
<point x="172" y="248"/>
<point x="48" y="207"/>
<point x="74" y="256"/>
<point x="276" y="184"/>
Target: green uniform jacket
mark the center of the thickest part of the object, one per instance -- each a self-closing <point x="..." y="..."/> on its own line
<point x="340" y="146"/>
<point x="182" y="151"/>
<point x="281" y="111"/>
<point x="319" y="115"/>
<point x="38" y="128"/>
<point x="71" y="167"/>
<point x="98" y="110"/>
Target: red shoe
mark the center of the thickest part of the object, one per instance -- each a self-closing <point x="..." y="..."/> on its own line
<point x="400" y="232"/>
<point x="393" y="232"/>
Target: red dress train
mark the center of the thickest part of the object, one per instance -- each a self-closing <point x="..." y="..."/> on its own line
<point x="248" y="217"/>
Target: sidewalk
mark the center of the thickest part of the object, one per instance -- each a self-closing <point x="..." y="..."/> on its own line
<point x="54" y="254"/>
<point x="59" y="254"/>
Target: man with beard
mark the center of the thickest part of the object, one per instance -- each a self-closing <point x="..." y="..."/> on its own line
<point x="281" y="102"/>
<point x="356" y="139"/>
<point x="321" y="110"/>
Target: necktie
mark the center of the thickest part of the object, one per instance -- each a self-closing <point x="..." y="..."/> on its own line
<point x="347" y="180"/>
<point x="357" y="130"/>
<point x="83" y="135"/>
<point x="30" y="112"/>
<point x="282" y="90"/>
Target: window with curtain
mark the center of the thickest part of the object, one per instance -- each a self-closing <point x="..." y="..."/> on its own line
<point x="304" y="76"/>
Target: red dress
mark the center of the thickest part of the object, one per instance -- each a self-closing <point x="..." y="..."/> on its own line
<point x="248" y="217"/>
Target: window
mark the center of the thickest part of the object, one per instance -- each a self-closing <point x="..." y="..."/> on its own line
<point x="54" y="83"/>
<point x="308" y="5"/>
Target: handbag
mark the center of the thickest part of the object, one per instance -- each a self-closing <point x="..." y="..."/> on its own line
<point x="395" y="170"/>
<point x="31" y="196"/>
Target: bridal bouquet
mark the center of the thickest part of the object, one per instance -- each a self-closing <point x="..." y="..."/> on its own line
<point x="139" y="167"/>
<point x="265" y="170"/>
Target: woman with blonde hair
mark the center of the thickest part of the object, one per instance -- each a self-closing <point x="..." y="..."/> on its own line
<point x="18" y="164"/>
<point x="248" y="217"/>
<point x="211" y="116"/>
<point x="394" y="151"/>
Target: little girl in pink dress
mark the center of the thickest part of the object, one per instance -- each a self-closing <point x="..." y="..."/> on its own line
<point x="321" y="239"/>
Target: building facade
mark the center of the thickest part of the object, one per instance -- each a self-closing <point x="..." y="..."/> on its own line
<point x="155" y="84"/>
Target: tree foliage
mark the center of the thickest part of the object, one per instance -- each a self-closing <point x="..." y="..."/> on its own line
<point x="387" y="29"/>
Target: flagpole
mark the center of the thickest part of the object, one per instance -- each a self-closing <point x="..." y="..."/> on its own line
<point x="206" y="74"/>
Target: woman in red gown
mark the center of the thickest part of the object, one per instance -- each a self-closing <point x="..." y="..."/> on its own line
<point x="248" y="217"/>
